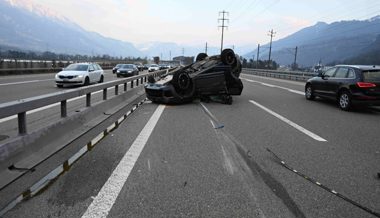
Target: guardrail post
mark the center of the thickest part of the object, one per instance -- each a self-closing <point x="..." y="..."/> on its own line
<point x="88" y="99"/>
<point x="64" y="108"/>
<point x="145" y="79"/>
<point x="105" y="94"/>
<point x="132" y="84"/>
<point x="22" y="123"/>
<point x="116" y="89"/>
<point x="137" y="82"/>
<point x="125" y="87"/>
<point x="142" y="80"/>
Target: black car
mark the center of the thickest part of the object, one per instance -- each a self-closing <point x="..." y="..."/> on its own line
<point x="116" y="68"/>
<point x="139" y="66"/>
<point x="127" y="70"/>
<point x="347" y="84"/>
<point x="208" y="77"/>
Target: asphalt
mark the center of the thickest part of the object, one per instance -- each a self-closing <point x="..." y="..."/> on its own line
<point x="210" y="160"/>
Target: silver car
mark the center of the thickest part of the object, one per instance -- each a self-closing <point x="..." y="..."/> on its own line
<point x="80" y="74"/>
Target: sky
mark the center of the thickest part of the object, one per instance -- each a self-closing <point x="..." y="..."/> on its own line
<point x="195" y="22"/>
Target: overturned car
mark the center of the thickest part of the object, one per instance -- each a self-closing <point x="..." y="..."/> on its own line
<point x="214" y="76"/>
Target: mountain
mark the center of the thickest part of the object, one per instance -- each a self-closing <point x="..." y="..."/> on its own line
<point x="370" y="55"/>
<point x="333" y="42"/>
<point x="30" y="27"/>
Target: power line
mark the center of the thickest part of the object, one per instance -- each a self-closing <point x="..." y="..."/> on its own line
<point x="223" y="19"/>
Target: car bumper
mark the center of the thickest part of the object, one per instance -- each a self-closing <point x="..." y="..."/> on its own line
<point x="124" y="74"/>
<point x="365" y="99"/>
<point x="69" y="81"/>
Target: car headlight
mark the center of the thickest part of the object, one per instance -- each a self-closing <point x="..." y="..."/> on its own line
<point x="129" y="71"/>
<point x="56" y="76"/>
<point x="79" y="76"/>
<point x="118" y="71"/>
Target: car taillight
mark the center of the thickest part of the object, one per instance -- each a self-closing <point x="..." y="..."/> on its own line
<point x="365" y="85"/>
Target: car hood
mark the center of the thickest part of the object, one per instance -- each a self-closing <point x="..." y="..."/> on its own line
<point x="71" y="73"/>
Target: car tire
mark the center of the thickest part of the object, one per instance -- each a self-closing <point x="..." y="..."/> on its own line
<point x="345" y="100"/>
<point x="86" y="81"/>
<point x="228" y="57"/>
<point x="183" y="84"/>
<point x="201" y="57"/>
<point x="101" y="79"/>
<point x="309" y="93"/>
<point x="59" y="86"/>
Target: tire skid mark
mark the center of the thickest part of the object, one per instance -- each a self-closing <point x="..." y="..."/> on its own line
<point x="236" y="154"/>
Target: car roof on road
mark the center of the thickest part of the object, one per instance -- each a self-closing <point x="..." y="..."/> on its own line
<point x="361" y="67"/>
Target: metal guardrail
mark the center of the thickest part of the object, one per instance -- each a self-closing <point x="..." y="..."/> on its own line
<point x="20" y="107"/>
<point x="30" y="156"/>
<point x="290" y="75"/>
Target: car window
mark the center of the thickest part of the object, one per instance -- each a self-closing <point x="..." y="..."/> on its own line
<point x="351" y="73"/>
<point x="95" y="67"/>
<point x="91" y="67"/>
<point x="341" y="72"/>
<point x="371" y="75"/>
<point x="330" y="72"/>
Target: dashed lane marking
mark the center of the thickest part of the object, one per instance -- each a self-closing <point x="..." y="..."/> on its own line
<point x="103" y="202"/>
<point x="275" y="86"/>
<point x="296" y="126"/>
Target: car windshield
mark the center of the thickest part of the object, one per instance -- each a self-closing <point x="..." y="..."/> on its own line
<point x="153" y="65"/>
<point x="127" y="66"/>
<point x="371" y="76"/>
<point x="77" y="67"/>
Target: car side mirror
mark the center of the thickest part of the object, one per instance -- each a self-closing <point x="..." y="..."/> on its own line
<point x="90" y="70"/>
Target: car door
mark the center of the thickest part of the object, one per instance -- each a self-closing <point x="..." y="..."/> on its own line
<point x="92" y="73"/>
<point x="320" y="84"/>
<point x="333" y="83"/>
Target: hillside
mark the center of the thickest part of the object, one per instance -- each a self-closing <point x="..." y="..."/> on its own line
<point x="333" y="42"/>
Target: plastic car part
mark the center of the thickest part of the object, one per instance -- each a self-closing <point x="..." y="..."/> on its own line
<point x="201" y="57"/>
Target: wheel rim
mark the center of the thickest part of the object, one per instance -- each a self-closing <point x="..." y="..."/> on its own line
<point x="183" y="81"/>
<point x="308" y="92"/>
<point x="344" y="100"/>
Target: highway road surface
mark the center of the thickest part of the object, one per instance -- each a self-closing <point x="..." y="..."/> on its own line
<point x="206" y="159"/>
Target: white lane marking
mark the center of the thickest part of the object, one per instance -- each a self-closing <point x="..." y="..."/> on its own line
<point x="103" y="202"/>
<point x="276" y="86"/>
<point x="23" y="82"/>
<point x="277" y="80"/>
<point x="296" y="126"/>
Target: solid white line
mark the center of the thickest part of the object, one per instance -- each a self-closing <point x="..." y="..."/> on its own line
<point x="296" y="126"/>
<point x="274" y="79"/>
<point x="23" y="82"/>
<point x="105" y="199"/>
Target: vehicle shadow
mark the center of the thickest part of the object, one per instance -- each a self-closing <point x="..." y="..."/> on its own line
<point x="359" y="109"/>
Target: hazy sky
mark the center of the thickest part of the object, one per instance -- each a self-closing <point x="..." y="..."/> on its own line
<point x="195" y="22"/>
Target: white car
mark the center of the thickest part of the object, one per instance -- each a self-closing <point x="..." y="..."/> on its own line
<point x="79" y="74"/>
<point x="153" y="67"/>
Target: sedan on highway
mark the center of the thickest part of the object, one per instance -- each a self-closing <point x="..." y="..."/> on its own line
<point x="346" y="84"/>
<point x="153" y="67"/>
<point x="116" y="68"/>
<point x="127" y="70"/>
<point x="79" y="74"/>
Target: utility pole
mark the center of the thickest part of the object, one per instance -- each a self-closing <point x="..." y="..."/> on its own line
<point x="170" y="55"/>
<point x="206" y="48"/>
<point x="223" y="19"/>
<point x="233" y="47"/>
<point x="258" y="53"/>
<point x="183" y="54"/>
<point x="295" y="57"/>
<point x="271" y="34"/>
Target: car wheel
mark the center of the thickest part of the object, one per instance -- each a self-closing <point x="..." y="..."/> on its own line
<point x="228" y="56"/>
<point x="101" y="79"/>
<point x="309" y="93"/>
<point x="201" y="57"/>
<point x="59" y="85"/>
<point x="86" y="81"/>
<point x="344" y="101"/>
<point x="183" y="84"/>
